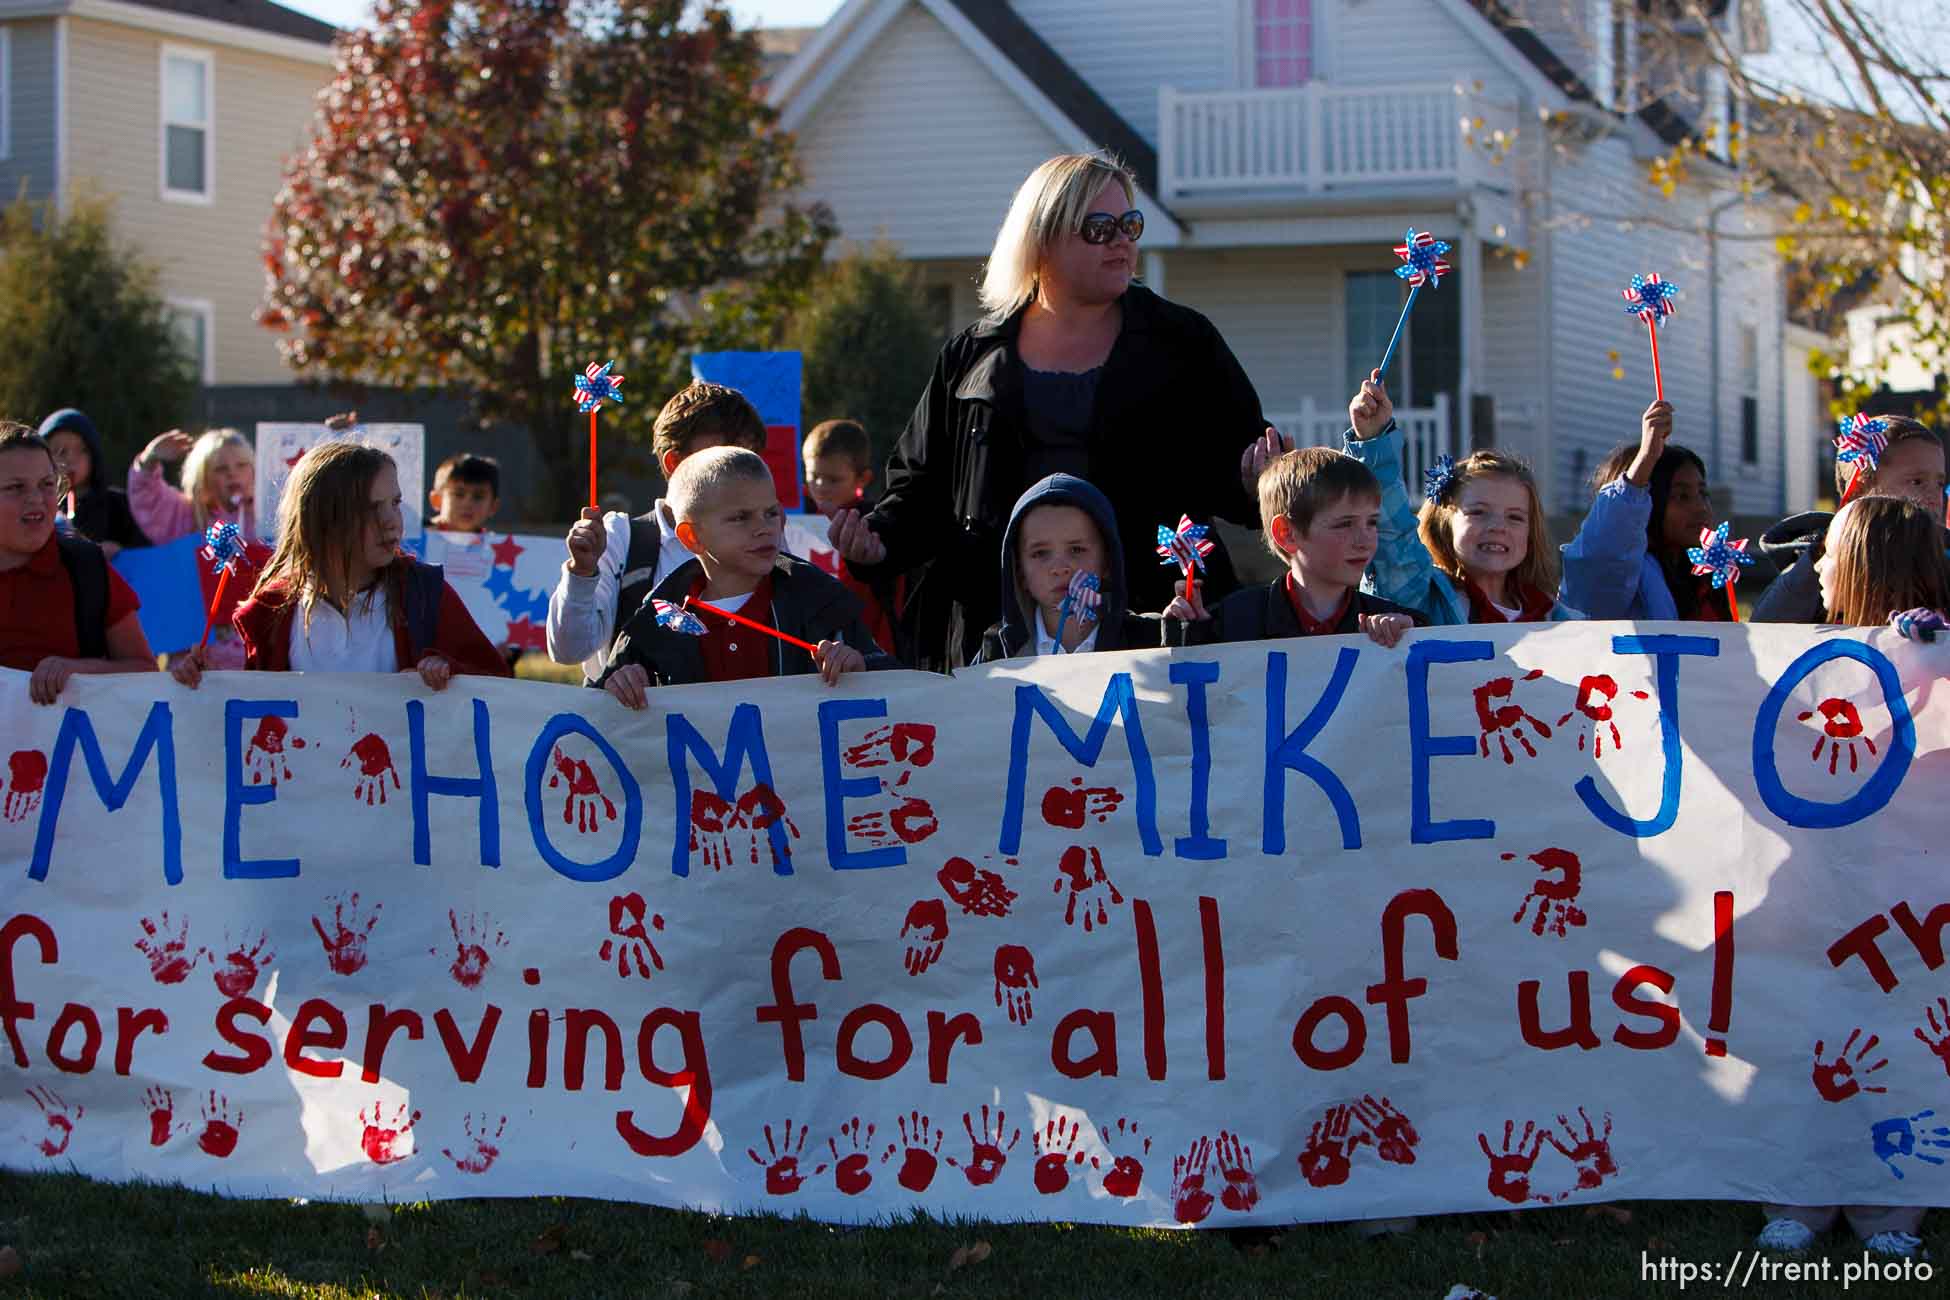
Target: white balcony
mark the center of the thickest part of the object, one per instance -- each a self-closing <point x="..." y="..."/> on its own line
<point x="1426" y="434"/>
<point x="1319" y="139"/>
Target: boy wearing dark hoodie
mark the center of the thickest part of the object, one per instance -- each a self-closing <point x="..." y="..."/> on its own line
<point x="1911" y="466"/>
<point x="97" y="511"/>
<point x="1058" y="528"/>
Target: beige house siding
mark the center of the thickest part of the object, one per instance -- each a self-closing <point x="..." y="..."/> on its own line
<point x="207" y="252"/>
<point x="30" y="110"/>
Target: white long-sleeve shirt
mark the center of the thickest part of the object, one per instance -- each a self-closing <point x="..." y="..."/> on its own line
<point x="582" y="610"/>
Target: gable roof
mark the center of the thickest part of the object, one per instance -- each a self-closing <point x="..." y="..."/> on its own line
<point x="258" y="15"/>
<point x="1660" y="116"/>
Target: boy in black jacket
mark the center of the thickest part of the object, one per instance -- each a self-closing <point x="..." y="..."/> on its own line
<point x="729" y="518"/>
<point x="1059" y="526"/>
<point x="1320" y="512"/>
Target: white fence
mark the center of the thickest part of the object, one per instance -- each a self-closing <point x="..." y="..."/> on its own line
<point x="1317" y="137"/>
<point x="1426" y="433"/>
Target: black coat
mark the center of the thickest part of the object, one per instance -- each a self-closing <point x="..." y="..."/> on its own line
<point x="806" y="603"/>
<point x="1265" y="614"/>
<point x="1174" y="411"/>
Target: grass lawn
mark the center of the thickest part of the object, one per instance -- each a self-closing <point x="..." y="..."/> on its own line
<point x="74" y="1237"/>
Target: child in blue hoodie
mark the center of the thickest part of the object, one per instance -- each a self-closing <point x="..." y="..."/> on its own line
<point x="1059" y="526"/>
<point x="1477" y="552"/>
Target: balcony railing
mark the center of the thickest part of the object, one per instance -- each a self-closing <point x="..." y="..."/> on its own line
<point x="1318" y="137"/>
<point x="1426" y="433"/>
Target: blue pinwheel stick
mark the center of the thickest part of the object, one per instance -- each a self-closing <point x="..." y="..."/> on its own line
<point x="1422" y="263"/>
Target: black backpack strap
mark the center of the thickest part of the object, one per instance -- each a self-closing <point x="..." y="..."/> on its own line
<point x="88" y="573"/>
<point x="423" y="587"/>
<point x="639" y="572"/>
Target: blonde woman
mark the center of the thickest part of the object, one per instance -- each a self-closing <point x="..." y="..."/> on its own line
<point x="1072" y="369"/>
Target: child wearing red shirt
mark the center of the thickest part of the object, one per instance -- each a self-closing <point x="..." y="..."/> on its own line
<point x="62" y="609"/>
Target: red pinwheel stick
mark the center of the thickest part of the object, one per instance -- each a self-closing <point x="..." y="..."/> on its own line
<point x="1854" y="482"/>
<point x="216" y="603"/>
<point x="1733" y="606"/>
<point x="807" y="646"/>
<point x="592" y="458"/>
<point x="1652" y="332"/>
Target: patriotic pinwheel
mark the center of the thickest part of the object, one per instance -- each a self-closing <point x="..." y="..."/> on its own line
<point x="1722" y="560"/>
<point x="1861" y="443"/>
<point x="677" y="618"/>
<point x="225" y="542"/>
<point x="1650" y="298"/>
<point x="1082" y="599"/>
<point x="1422" y="263"/>
<point x="594" y="387"/>
<point x="1186" y="546"/>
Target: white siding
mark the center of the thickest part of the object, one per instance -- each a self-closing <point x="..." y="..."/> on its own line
<point x="30" y="112"/>
<point x="1411" y="42"/>
<point x="1127" y="49"/>
<point x="921" y="145"/>
<point x="1507" y="359"/>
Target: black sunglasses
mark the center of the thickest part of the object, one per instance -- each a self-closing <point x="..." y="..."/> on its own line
<point x="1102" y="227"/>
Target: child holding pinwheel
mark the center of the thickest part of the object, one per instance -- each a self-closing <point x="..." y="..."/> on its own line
<point x="1886" y="455"/>
<point x="740" y="607"/>
<point x="1477" y="552"/>
<point x="1059" y="542"/>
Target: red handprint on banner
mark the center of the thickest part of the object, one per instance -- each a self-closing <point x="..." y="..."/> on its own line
<point x="978" y="892"/>
<point x="925" y="930"/>
<point x="584" y="794"/>
<point x="375" y="765"/>
<point x="220" y="1127"/>
<point x="160" y="1103"/>
<point x="781" y="1161"/>
<point x="1241" y="1191"/>
<point x="1056" y="1150"/>
<point x="1126" y="1174"/>
<point x="1842" y="1078"/>
<point x="1015" y="976"/>
<point x="710" y="828"/>
<point x="1510" y="1168"/>
<point x="26" y="775"/>
<point x="345" y="942"/>
<point x="1082" y="872"/>
<point x="986" y="1153"/>
<point x="480" y="1148"/>
<point x="851" y="1174"/>
<point x="170" y="957"/>
<point x="919" y="1159"/>
<point x="1557" y="909"/>
<point x="1069" y="808"/>
<point x="1595" y="696"/>
<point x="714" y="821"/>
<point x="909" y="744"/>
<point x="909" y="822"/>
<point x="1505" y="722"/>
<point x="1190" y="1202"/>
<point x="1841" y="728"/>
<point x="1591" y="1153"/>
<point x="59" y="1119"/>
<point x="265" y="757"/>
<point x="1325" y="1160"/>
<point x="383" y="1143"/>
<point x="241" y="966"/>
<point x="759" y="809"/>
<point x="1939" y="1045"/>
<point x="629" y="943"/>
<point x="472" y="938"/>
<point x="1394" y="1137"/>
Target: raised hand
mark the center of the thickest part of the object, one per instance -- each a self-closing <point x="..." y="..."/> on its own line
<point x="1260" y="453"/>
<point x="849" y="535"/>
<point x="586" y="541"/>
<point x="1369" y="411"/>
<point x="1655" y="426"/>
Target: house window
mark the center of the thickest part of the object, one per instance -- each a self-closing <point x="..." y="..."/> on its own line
<point x="1427" y="361"/>
<point x="1748" y="338"/>
<point x="188" y="122"/>
<point x="195" y="321"/>
<point x="1283" y="42"/>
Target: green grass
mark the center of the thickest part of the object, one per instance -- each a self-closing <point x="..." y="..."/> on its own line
<point x="81" y="1238"/>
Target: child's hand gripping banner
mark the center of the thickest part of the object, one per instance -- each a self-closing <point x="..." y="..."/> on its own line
<point x="1296" y="931"/>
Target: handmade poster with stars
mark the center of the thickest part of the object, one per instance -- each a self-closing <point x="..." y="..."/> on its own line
<point x="503" y="579"/>
<point x="280" y="445"/>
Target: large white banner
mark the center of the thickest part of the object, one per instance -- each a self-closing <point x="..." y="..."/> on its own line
<point x="1295" y="931"/>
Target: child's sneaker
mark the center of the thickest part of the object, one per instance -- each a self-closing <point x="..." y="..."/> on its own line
<point x="1899" y="1245"/>
<point x="1790" y="1235"/>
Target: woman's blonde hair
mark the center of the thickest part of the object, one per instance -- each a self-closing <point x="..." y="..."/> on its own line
<point x="1539" y="567"/>
<point x="1887" y="557"/>
<point x="196" y="468"/>
<point x="322" y="516"/>
<point x="1051" y="203"/>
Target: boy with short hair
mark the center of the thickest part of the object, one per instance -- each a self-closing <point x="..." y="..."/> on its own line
<point x="839" y="465"/>
<point x="1911" y="466"/>
<point x="1062" y="526"/>
<point x="615" y="560"/>
<point x="1320" y="513"/>
<point x="63" y="610"/>
<point x="730" y="522"/>
<point x="466" y="493"/>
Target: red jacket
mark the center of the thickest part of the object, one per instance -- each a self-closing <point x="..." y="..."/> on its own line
<point x="421" y="599"/>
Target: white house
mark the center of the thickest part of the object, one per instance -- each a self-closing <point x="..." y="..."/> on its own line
<point x="1283" y="146"/>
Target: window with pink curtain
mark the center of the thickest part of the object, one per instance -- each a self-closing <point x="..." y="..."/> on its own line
<point x="1283" y="42"/>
